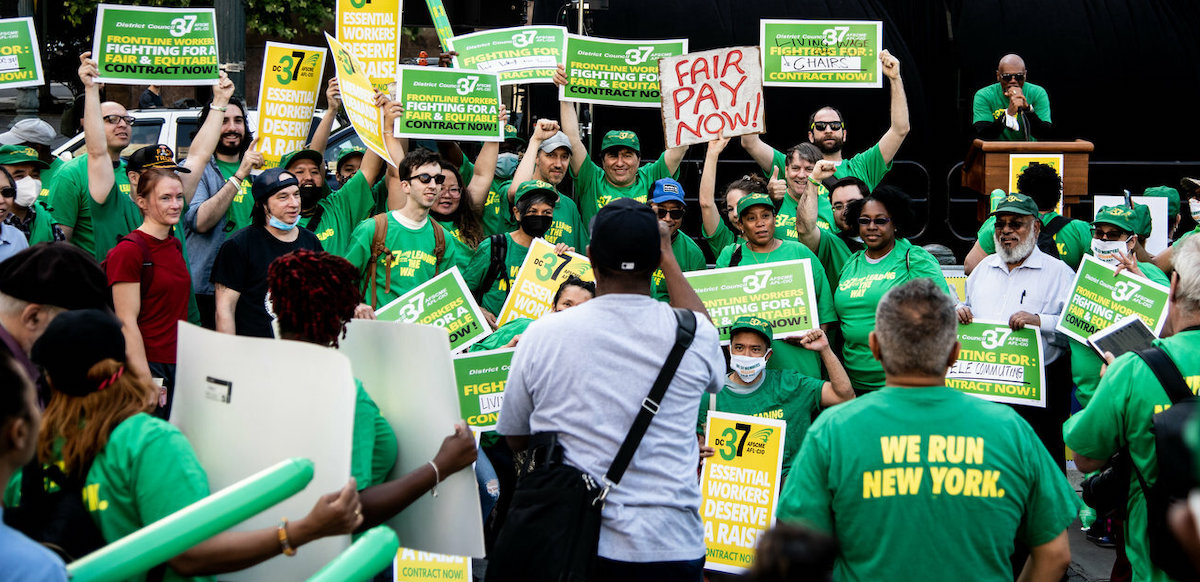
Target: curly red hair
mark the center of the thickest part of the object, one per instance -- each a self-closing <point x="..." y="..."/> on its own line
<point x="314" y="295"/>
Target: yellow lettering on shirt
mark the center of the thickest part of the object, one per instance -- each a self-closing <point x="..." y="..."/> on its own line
<point x="944" y="455"/>
<point x="324" y="234"/>
<point x="91" y="498"/>
<point x="897" y="449"/>
<point x="858" y="286"/>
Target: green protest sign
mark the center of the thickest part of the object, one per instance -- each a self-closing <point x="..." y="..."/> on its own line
<point x="20" y="57"/>
<point x="528" y="54"/>
<point x="451" y="104"/>
<point x="135" y="45"/>
<point x="1100" y="297"/>
<point x="781" y="293"/>
<point x="441" y="23"/>
<point x="443" y="301"/>
<point x="821" y="53"/>
<point x="616" y="72"/>
<point x="999" y="364"/>
<point x="481" y="378"/>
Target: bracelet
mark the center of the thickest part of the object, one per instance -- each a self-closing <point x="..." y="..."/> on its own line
<point x="236" y="182"/>
<point x="288" y="550"/>
<point x="437" y="478"/>
<point x="810" y="179"/>
<point x="221" y="108"/>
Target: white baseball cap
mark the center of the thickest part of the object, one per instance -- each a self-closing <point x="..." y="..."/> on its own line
<point x="30" y="130"/>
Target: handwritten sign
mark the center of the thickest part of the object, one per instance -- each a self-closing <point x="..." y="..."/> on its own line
<point x="711" y="94"/>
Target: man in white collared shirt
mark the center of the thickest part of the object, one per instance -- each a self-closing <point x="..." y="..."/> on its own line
<point x="1023" y="286"/>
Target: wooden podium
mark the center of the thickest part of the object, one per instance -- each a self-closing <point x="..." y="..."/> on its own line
<point x="987" y="167"/>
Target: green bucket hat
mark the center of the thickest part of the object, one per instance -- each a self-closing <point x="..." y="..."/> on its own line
<point x="753" y="200"/>
<point x="11" y="155"/>
<point x="621" y="138"/>
<point x="1016" y="204"/>
<point x="535" y="186"/>
<point x="755" y="324"/>
<point x="1121" y="217"/>
<point x="313" y="155"/>
<point x="1171" y="194"/>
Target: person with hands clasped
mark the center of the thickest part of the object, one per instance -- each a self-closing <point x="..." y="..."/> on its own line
<point x="1011" y="109"/>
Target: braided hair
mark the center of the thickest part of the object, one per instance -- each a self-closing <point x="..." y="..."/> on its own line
<point x="314" y="295"/>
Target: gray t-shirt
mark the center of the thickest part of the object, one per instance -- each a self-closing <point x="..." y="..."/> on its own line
<point x="583" y="373"/>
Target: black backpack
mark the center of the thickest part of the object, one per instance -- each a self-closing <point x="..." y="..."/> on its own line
<point x="1175" y="476"/>
<point x="58" y="520"/>
<point x="496" y="268"/>
<point x="1045" y="241"/>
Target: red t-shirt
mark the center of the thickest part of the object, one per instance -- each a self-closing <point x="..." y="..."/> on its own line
<point x="166" y="301"/>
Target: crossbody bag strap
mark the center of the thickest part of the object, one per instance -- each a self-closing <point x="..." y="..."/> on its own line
<point x="685" y="332"/>
<point x="1167" y="373"/>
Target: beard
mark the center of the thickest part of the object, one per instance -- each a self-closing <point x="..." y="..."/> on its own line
<point x="836" y="147"/>
<point x="1018" y="253"/>
<point x="235" y="150"/>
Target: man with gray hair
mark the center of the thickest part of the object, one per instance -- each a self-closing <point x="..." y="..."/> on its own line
<point x="917" y="466"/>
<point x="1121" y="413"/>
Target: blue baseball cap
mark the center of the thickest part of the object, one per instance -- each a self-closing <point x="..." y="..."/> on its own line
<point x="666" y="190"/>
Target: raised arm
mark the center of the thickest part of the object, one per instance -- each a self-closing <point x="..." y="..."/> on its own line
<point x="480" y="181"/>
<point x="889" y="144"/>
<point x="569" y="120"/>
<point x="100" y="170"/>
<point x="760" y="152"/>
<point x="212" y="209"/>
<point x="201" y="150"/>
<point x="320" y="138"/>
<point x="681" y="292"/>
<point x="544" y="130"/>
<point x="806" y="212"/>
<point x="710" y="215"/>
<point x="372" y="164"/>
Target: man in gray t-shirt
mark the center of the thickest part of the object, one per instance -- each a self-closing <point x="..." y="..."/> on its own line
<point x="583" y="374"/>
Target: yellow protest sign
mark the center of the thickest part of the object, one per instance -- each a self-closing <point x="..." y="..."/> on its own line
<point x="287" y="95"/>
<point x="739" y="486"/>
<point x="416" y="566"/>
<point x="1018" y="163"/>
<point x="358" y="99"/>
<point x="532" y="292"/>
<point x="370" y="31"/>
<point x="956" y="278"/>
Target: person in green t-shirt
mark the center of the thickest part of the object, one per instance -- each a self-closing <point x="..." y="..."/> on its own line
<point x="26" y="213"/>
<point x="547" y="159"/>
<point x="887" y="261"/>
<point x="1121" y="413"/>
<point x="756" y="218"/>
<point x="140" y="469"/>
<point x="1072" y="238"/>
<point x="923" y="470"/>
<point x="833" y="247"/>
<point x="1191" y="186"/>
<point x="1011" y="109"/>
<point x="715" y="230"/>
<point x="787" y="395"/>
<point x="667" y="202"/>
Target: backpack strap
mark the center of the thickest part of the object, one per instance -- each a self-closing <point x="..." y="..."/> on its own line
<point x="315" y="221"/>
<point x="1056" y="224"/>
<point x="735" y="259"/>
<point x="147" y="277"/>
<point x="1166" y="372"/>
<point x="378" y="249"/>
<point x="439" y="246"/>
<point x="499" y="244"/>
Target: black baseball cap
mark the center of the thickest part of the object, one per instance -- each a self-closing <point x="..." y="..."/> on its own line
<point x="625" y="237"/>
<point x="55" y="273"/>
<point x="73" y="343"/>
<point x="270" y="182"/>
<point x="154" y="157"/>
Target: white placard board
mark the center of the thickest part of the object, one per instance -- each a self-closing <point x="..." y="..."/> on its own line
<point x="408" y="372"/>
<point x="247" y="403"/>
<point x="1157" y="242"/>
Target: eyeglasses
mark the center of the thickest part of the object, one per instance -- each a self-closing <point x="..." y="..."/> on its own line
<point x="674" y="213"/>
<point x="8" y="192"/>
<point x="1116" y="235"/>
<point x="878" y="220"/>
<point x="452" y="190"/>
<point x="1020" y="77"/>
<point x="426" y="178"/>
<point x="115" y="119"/>
<point x="821" y="125"/>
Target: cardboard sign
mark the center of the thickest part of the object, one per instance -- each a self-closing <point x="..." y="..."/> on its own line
<point x="370" y="30"/>
<point x="407" y="371"/>
<point x="20" y="55"/>
<point x="414" y="566"/>
<point x="287" y="96"/>
<point x="781" y="293"/>
<point x="1157" y="242"/>
<point x="999" y="364"/>
<point x="134" y="45"/>
<point x="532" y="292"/>
<point x="711" y="94"/>
<point x="443" y="301"/>
<point x="1100" y="299"/>
<point x="221" y="406"/>
<point x="527" y="54"/>
<point x="616" y="72"/>
<point x="821" y="53"/>
<point x="1018" y="163"/>
<point x="481" y="378"/>
<point x="358" y="99"/>
<point x="739" y="486"/>
<point x="449" y="104"/>
<point x="441" y="23"/>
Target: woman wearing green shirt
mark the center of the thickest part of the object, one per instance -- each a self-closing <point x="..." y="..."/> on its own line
<point x="712" y="227"/>
<point x="887" y="261"/>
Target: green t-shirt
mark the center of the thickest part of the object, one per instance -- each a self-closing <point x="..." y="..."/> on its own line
<point x="497" y="210"/>
<point x="861" y="287"/>
<point x="784" y="395"/>
<point x="919" y="472"/>
<point x="687" y="254"/>
<point x="47" y="177"/>
<point x="238" y="214"/>
<point x="1187" y="234"/>
<point x="990" y="104"/>
<point x="566" y="226"/>
<point x="42" y="229"/>
<point x="1073" y="241"/>
<point x="344" y="208"/>
<point x="494" y="296"/>
<point x="1129" y="396"/>
<point x="720" y="238"/>
<point x="500" y="338"/>
<point x="594" y="191"/>
<point x="411" y="261"/>
<point x="867" y="166"/>
<point x="374" y="449"/>
<point x="833" y="254"/>
<point x="97" y="227"/>
<point x="786" y="356"/>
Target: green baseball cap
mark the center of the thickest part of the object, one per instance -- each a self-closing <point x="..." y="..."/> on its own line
<point x="347" y="152"/>
<point x="1121" y="217"/>
<point x="621" y="138"/>
<point x="1142" y="221"/>
<point x="535" y="186"/>
<point x="753" y="200"/>
<point x="510" y="132"/>
<point x="11" y="155"/>
<point x="1016" y="204"/>
<point x="751" y="323"/>
<point x="1171" y="194"/>
<point x="313" y="155"/>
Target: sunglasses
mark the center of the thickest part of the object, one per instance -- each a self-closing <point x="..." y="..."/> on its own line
<point x="8" y="192"/>
<point x="821" y="125"/>
<point x="878" y="220"/>
<point x="115" y="119"/>
<point x="1102" y="234"/>
<point x="675" y="213"/>
<point x="439" y="179"/>
<point x="1020" y="77"/>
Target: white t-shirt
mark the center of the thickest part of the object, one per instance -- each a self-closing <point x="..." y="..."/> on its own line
<point x="583" y="373"/>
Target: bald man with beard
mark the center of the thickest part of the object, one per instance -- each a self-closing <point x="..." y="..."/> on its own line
<point x="1011" y="109"/>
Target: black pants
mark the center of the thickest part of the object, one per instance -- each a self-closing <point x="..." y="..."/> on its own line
<point x="207" y="306"/>
<point x="167" y="393"/>
<point x="681" y="571"/>
<point x="1047" y="422"/>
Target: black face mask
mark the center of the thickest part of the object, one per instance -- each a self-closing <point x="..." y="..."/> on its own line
<point x="438" y="216"/>
<point x="536" y="225"/>
<point x="310" y="195"/>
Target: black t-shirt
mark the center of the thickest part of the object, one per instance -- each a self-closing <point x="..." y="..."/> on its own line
<point x="241" y="265"/>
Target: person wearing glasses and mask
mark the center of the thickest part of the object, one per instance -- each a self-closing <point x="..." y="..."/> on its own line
<point x="667" y="201"/>
<point x="1011" y="109"/>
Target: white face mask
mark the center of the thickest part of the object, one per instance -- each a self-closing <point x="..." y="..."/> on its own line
<point x="1195" y="206"/>
<point x="748" y="368"/>
<point x="28" y="189"/>
<point x="1109" y="251"/>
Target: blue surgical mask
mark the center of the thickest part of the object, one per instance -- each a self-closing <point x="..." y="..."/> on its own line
<point x="506" y="165"/>
<point x="281" y="225"/>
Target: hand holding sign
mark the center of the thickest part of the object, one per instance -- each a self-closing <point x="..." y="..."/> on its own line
<point x="222" y="91"/>
<point x="333" y="95"/>
<point x="560" y="76"/>
<point x="88" y="71"/>
<point x="1023" y="319"/>
<point x="458" y="450"/>
<point x="336" y="513"/>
